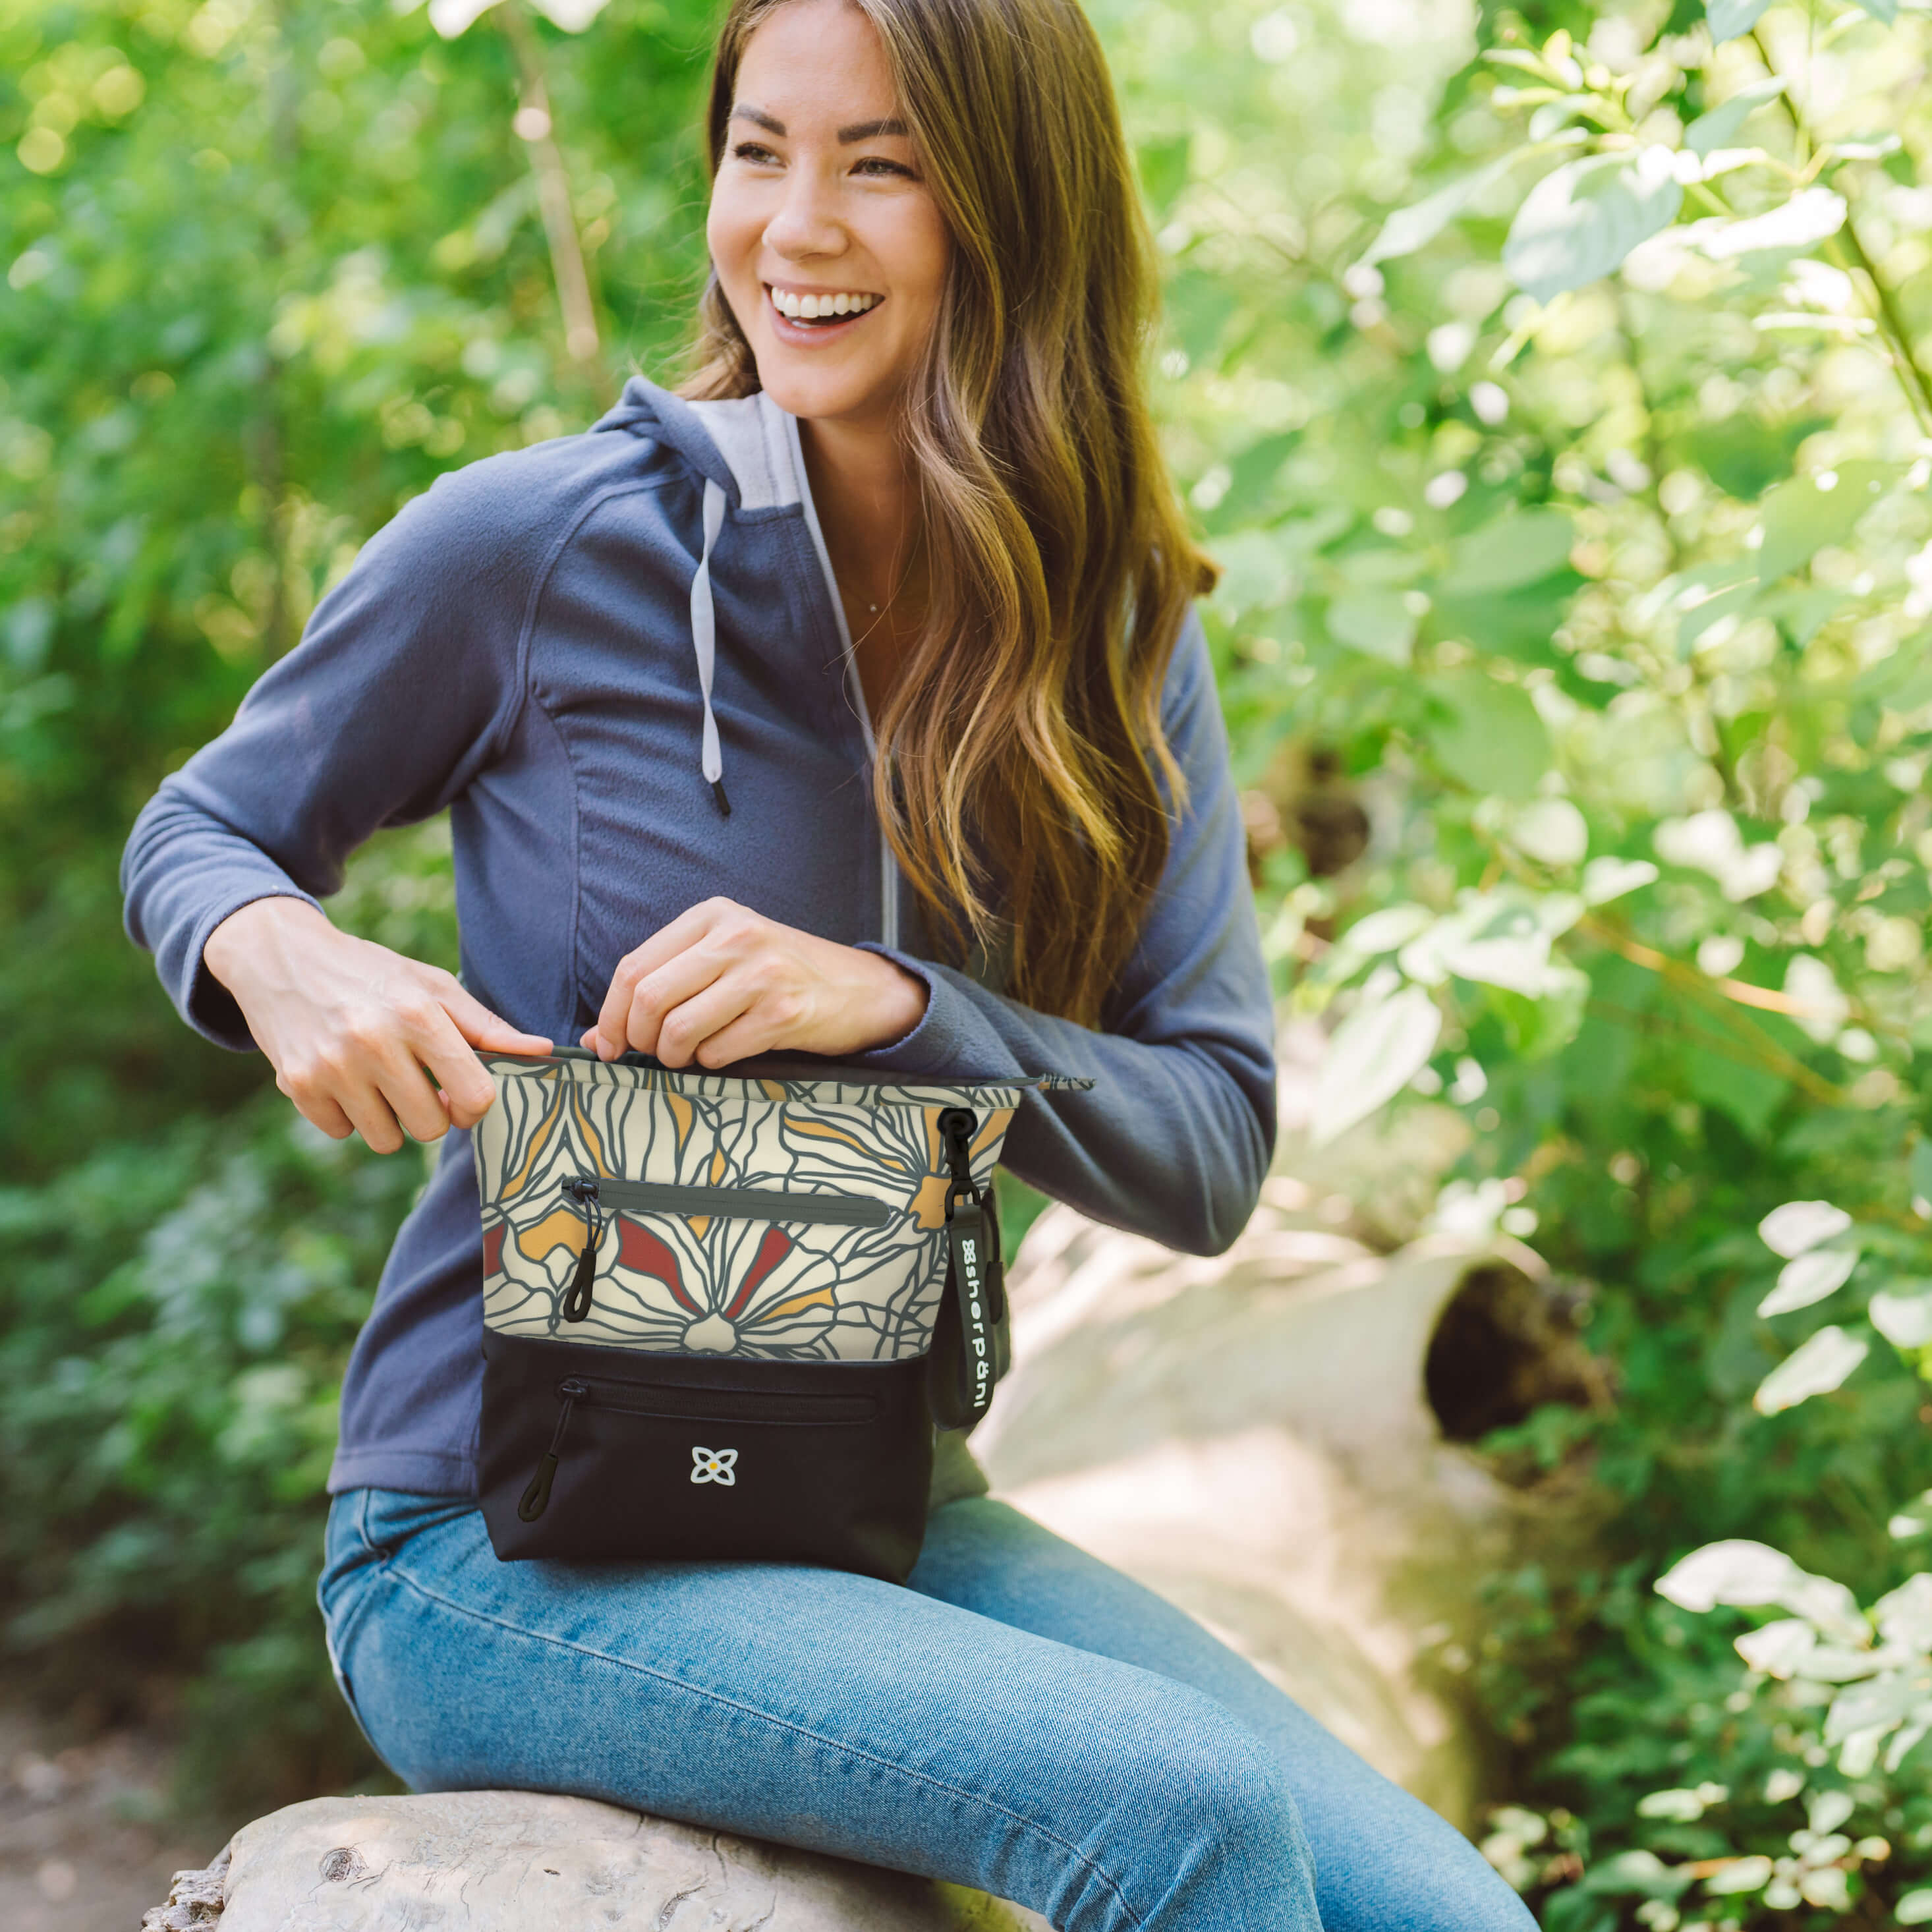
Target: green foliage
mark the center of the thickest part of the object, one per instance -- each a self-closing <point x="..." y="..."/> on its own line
<point x="1547" y="381"/>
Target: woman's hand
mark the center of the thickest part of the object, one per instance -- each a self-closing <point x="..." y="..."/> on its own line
<point x="721" y="982"/>
<point x="350" y="1026"/>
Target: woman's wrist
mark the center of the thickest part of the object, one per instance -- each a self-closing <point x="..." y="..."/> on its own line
<point x="234" y="951"/>
<point x="899" y="1006"/>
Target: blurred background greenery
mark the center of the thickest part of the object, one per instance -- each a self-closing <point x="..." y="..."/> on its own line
<point x="1552" y="382"/>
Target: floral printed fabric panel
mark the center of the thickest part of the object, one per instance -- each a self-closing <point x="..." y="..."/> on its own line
<point x="768" y="1287"/>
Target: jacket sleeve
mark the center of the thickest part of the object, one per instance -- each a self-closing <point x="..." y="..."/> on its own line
<point x="403" y="683"/>
<point x="1175" y="1135"/>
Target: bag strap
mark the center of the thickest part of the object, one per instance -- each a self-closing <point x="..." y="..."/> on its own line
<point x="971" y="1345"/>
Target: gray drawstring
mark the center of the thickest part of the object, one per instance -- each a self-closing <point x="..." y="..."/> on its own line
<point x="704" y="642"/>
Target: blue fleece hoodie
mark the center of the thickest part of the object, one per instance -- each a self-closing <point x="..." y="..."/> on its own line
<point x="618" y="659"/>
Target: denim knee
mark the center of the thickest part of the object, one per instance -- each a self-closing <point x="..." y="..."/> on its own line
<point x="1221" y="1844"/>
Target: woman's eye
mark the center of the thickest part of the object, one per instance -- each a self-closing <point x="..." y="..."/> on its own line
<point x="751" y="151"/>
<point x="879" y="163"/>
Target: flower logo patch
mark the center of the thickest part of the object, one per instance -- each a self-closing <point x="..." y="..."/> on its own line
<point x="714" y="1466"/>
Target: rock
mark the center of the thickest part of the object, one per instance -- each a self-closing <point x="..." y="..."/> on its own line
<point x="1252" y="1436"/>
<point x="528" y="1862"/>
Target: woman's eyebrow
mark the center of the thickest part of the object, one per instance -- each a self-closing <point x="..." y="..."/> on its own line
<point x="860" y="131"/>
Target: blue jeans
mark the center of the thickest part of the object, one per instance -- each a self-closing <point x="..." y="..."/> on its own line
<point x="1021" y="1718"/>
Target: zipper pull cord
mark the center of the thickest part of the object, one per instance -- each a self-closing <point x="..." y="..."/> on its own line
<point x="577" y="1301"/>
<point x="536" y="1497"/>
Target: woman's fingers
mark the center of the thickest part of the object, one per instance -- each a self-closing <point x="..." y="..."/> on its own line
<point x="478" y="1025"/>
<point x="651" y="999"/>
<point x="692" y="1024"/>
<point x="431" y="1045"/>
<point x="718" y="929"/>
<point x="371" y="1115"/>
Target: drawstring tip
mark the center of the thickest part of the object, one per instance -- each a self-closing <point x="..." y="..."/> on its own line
<point x="718" y="793"/>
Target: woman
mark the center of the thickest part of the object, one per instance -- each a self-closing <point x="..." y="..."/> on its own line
<point x="908" y="521"/>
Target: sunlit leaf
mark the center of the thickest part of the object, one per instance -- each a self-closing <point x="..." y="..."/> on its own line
<point x="1730" y="18"/>
<point x="1903" y="1616"/>
<point x="1374" y="1055"/>
<point x="1736" y="1571"/>
<point x="1579" y="222"/>
<point x="1734" y="1875"/>
<point x="1810" y="1278"/>
<point x="1812" y="215"/>
<point x="1905" y="1320"/>
<point x="1610" y="878"/>
<point x="1799" y="1225"/>
<point x="1816" y="1367"/>
<point x="1804" y="515"/>
<point x="1778" y="1649"/>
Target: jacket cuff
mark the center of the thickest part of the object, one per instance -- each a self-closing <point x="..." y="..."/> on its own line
<point x="936" y="1043"/>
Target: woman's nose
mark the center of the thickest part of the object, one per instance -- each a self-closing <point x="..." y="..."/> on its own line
<point x="807" y="220"/>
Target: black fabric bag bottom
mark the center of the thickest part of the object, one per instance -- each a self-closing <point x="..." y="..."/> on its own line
<point x="704" y="1456"/>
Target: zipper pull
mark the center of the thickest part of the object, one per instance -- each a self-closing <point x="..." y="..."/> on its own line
<point x="576" y="1299"/>
<point x="956" y="1129"/>
<point x="536" y="1497"/>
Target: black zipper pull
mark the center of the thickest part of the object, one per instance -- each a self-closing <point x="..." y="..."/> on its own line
<point x="536" y="1497"/>
<point x="577" y="1300"/>
<point x="955" y="1128"/>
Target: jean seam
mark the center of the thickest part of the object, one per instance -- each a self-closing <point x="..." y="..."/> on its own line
<point x="1051" y="1837"/>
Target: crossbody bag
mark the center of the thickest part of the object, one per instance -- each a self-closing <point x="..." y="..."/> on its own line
<point x="723" y="1311"/>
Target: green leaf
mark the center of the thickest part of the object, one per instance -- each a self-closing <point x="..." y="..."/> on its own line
<point x="1255" y="575"/>
<point x="1520" y="547"/>
<point x="1414" y="227"/>
<point x="1376" y="622"/>
<point x="1919" y="1170"/>
<point x="1488" y="736"/>
<point x="1801" y="517"/>
<point x="1376" y="1052"/>
<point x="1713" y="130"/>
<point x="1163" y="165"/>
<point x="1717" y="127"/>
<point x="1579" y="222"/>
<point x="1730" y="18"/>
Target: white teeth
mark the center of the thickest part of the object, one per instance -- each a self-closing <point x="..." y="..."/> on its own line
<point x="819" y="307"/>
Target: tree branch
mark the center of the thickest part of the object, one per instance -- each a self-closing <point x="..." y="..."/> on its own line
<point x="532" y="124"/>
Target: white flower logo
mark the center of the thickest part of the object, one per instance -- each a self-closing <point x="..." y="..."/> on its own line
<point x="714" y="1466"/>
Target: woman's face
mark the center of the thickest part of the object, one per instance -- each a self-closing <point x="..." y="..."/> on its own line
<point x="829" y="248"/>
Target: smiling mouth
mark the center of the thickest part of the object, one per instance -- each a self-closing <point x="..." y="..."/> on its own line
<point x="822" y="309"/>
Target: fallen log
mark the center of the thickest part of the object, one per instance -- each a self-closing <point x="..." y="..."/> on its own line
<point x="531" y="1861"/>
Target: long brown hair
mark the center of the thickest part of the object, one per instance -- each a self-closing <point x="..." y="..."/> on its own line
<point x="1015" y="777"/>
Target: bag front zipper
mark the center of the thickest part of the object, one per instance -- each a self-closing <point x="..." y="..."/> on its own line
<point x="745" y="1204"/>
<point x="596" y="1196"/>
<point x="683" y="1401"/>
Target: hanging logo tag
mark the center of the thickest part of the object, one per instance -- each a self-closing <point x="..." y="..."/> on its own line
<point x="966" y="1234"/>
